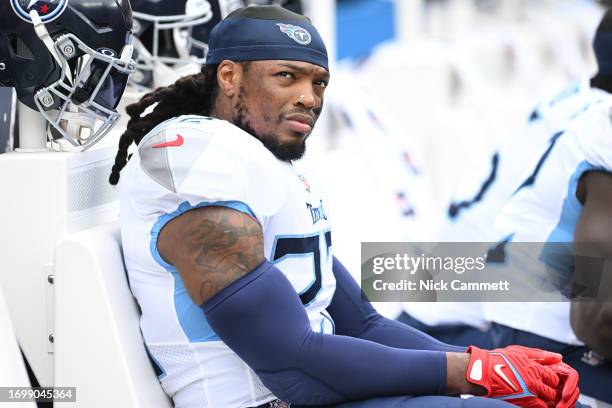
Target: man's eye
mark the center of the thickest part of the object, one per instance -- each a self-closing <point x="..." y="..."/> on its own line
<point x="322" y="83"/>
<point x="285" y="74"/>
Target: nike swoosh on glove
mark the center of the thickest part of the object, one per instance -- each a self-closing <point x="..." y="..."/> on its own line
<point x="515" y="375"/>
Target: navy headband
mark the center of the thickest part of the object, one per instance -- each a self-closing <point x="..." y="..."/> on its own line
<point x="602" y="45"/>
<point x="253" y="39"/>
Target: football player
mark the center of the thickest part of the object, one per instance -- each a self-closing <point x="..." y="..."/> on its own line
<point x="471" y="219"/>
<point x="229" y="250"/>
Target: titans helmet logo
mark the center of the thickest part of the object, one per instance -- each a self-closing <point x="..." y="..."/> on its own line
<point x="48" y="10"/>
<point x="296" y="33"/>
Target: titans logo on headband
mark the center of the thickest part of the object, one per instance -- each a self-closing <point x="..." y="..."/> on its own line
<point x="48" y="10"/>
<point x="296" y="33"/>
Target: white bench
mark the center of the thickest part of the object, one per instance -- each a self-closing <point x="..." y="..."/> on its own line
<point x="98" y="345"/>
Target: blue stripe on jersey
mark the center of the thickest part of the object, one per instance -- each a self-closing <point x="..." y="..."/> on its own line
<point x="571" y="90"/>
<point x="564" y="231"/>
<point x="455" y="208"/>
<point x="531" y="179"/>
<point x="497" y="253"/>
<point x="190" y="316"/>
<point x="557" y="252"/>
<point x="535" y="115"/>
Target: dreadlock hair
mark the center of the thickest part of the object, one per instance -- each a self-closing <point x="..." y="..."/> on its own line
<point x="603" y="80"/>
<point x="190" y="95"/>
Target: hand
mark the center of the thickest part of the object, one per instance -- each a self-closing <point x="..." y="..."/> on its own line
<point x="568" y="391"/>
<point x="518" y="375"/>
<point x="540" y="356"/>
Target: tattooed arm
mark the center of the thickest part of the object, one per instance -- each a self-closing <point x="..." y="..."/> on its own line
<point x="218" y="253"/>
<point x="211" y="247"/>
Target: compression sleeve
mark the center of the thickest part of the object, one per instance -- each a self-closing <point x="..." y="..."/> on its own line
<point x="354" y="316"/>
<point x="260" y="317"/>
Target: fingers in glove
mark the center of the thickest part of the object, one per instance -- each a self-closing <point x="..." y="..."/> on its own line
<point x="545" y="392"/>
<point x="541" y="356"/>
<point x="549" y="358"/>
<point x="570" y="386"/>
<point x="548" y="376"/>
<point x="570" y="400"/>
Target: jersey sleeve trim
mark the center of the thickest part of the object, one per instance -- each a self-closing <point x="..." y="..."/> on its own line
<point x="571" y="205"/>
<point x="183" y="208"/>
<point x="192" y="321"/>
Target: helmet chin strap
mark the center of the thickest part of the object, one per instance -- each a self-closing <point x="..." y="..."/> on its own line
<point x="126" y="53"/>
<point x="43" y="34"/>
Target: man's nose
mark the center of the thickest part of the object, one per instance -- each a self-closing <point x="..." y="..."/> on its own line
<point x="307" y="99"/>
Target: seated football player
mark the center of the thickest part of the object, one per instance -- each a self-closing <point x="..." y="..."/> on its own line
<point x="229" y="251"/>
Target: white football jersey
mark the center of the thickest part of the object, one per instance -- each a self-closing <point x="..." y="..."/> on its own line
<point x="473" y="210"/>
<point x="191" y="162"/>
<point x="545" y="209"/>
<point x="471" y="215"/>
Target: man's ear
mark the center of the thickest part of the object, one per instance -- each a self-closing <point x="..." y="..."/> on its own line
<point x="229" y="77"/>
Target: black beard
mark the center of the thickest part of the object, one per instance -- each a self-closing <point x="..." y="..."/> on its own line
<point x="284" y="152"/>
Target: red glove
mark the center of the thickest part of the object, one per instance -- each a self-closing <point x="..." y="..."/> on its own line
<point x="518" y="375"/>
<point x="568" y="391"/>
<point x="540" y="356"/>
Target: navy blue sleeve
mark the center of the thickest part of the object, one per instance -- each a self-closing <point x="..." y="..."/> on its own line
<point x="354" y="316"/>
<point x="260" y="317"/>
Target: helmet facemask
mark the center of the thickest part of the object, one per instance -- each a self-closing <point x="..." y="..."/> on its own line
<point x="81" y="104"/>
<point x="154" y="68"/>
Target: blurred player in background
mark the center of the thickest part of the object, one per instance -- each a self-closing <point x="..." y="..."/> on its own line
<point x="545" y="174"/>
<point x="566" y="199"/>
<point x="471" y="218"/>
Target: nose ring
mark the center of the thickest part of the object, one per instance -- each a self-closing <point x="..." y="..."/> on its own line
<point x="301" y="98"/>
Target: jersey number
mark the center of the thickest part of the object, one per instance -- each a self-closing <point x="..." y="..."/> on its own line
<point x="531" y="179"/>
<point x="301" y="246"/>
<point x="456" y="207"/>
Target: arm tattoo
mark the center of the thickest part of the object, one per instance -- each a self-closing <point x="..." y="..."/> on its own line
<point x="224" y="246"/>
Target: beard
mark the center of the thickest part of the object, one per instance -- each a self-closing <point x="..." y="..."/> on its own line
<point x="283" y="151"/>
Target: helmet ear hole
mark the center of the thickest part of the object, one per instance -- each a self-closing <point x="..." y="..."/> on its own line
<point x="19" y="48"/>
<point x="23" y="50"/>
